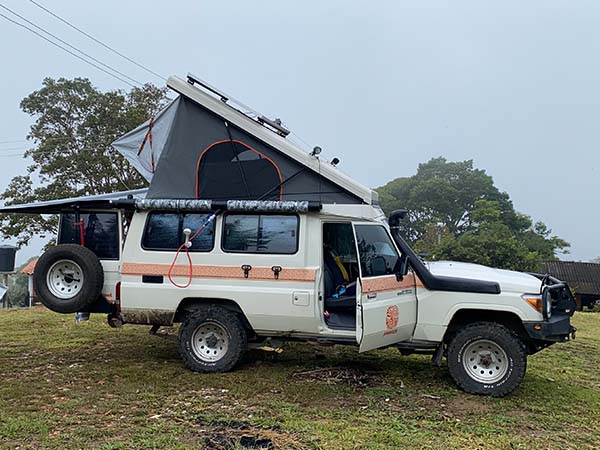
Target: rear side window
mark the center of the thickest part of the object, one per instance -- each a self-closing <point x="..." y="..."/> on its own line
<point x="257" y="233"/>
<point x="164" y="231"/>
<point x="100" y="232"/>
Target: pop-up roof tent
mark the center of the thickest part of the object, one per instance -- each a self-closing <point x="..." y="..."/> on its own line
<point x="201" y="147"/>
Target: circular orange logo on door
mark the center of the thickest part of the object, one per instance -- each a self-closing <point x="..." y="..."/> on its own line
<point x="391" y="317"/>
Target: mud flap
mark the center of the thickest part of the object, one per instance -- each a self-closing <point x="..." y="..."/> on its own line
<point x="436" y="358"/>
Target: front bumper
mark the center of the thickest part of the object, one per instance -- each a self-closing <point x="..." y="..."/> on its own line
<point x="557" y="328"/>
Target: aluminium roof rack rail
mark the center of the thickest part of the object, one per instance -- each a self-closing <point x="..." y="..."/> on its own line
<point x="274" y="125"/>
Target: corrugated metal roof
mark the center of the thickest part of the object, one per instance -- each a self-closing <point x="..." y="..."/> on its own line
<point x="583" y="277"/>
<point x="29" y="268"/>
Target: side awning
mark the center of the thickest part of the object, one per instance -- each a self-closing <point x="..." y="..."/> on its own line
<point x="102" y="201"/>
<point x="136" y="199"/>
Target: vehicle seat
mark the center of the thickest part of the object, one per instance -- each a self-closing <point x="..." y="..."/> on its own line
<point x="340" y="295"/>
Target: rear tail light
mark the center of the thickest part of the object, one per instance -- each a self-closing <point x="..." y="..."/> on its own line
<point x="118" y="295"/>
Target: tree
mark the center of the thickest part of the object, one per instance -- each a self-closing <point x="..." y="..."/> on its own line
<point x="444" y="192"/>
<point x="75" y="124"/>
<point x="596" y="260"/>
<point x="456" y="212"/>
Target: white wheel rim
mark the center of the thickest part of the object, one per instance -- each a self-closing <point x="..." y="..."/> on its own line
<point x="485" y="361"/>
<point x="65" y="279"/>
<point x="210" y="342"/>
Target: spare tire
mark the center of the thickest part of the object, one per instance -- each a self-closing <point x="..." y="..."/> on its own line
<point x="68" y="278"/>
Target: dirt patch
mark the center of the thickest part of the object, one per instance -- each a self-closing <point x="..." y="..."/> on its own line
<point x="335" y="375"/>
<point x="225" y="441"/>
<point x="463" y="405"/>
<point x="235" y="434"/>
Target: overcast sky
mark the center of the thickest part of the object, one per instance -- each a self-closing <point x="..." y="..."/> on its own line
<point x="383" y="85"/>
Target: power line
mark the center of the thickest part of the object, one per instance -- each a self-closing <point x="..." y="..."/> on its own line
<point x="69" y="45"/>
<point x="12" y="155"/>
<point x="12" y="149"/>
<point x="66" y="22"/>
<point x="13" y="142"/>
<point x="101" y="146"/>
<point x="67" y="50"/>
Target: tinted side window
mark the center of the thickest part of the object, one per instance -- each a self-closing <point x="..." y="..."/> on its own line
<point x="164" y="231"/>
<point x="100" y="232"/>
<point x="261" y="234"/>
<point x="377" y="253"/>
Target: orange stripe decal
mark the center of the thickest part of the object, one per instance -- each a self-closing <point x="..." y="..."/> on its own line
<point x="388" y="283"/>
<point x="229" y="272"/>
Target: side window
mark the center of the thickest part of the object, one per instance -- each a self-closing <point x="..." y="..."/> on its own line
<point x="377" y="253"/>
<point x="246" y="233"/>
<point x="100" y="232"/>
<point x="164" y="231"/>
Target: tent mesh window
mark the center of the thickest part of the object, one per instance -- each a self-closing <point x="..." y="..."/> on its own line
<point x="232" y="170"/>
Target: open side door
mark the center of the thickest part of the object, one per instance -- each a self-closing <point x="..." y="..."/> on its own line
<point x="386" y="307"/>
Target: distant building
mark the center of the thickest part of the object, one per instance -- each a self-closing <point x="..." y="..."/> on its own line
<point x="582" y="277"/>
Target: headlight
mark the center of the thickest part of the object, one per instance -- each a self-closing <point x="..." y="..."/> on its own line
<point x="535" y="300"/>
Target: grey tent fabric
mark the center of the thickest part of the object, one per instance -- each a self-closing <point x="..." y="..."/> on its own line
<point x="198" y="138"/>
<point x="143" y="145"/>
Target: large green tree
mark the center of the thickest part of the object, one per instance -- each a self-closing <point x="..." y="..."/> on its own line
<point x="74" y="126"/>
<point x="456" y="212"/>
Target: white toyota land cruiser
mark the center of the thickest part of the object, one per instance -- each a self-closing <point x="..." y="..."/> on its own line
<point x="330" y="276"/>
<point x="243" y="238"/>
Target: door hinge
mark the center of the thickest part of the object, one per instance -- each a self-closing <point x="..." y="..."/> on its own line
<point x="276" y="270"/>
<point x="246" y="268"/>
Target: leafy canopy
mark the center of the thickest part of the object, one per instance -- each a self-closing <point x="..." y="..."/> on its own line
<point x="456" y="212"/>
<point x="74" y="126"/>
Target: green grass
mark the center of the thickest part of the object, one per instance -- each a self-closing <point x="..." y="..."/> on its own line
<point x="89" y="386"/>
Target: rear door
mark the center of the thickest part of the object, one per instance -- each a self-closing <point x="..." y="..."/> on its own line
<point x="100" y="231"/>
<point x="386" y="306"/>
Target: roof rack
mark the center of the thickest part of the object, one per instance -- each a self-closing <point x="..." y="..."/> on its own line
<point x="274" y="125"/>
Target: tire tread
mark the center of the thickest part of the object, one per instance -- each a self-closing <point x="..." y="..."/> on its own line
<point x="226" y="318"/>
<point x="93" y="278"/>
<point x="489" y="330"/>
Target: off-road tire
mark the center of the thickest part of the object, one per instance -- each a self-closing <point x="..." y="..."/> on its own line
<point x="229" y="321"/>
<point x="93" y="278"/>
<point x="502" y="337"/>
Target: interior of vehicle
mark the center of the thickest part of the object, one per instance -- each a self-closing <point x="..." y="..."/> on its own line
<point x="340" y="263"/>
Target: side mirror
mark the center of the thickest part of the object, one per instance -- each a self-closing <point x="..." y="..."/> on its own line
<point x="401" y="267"/>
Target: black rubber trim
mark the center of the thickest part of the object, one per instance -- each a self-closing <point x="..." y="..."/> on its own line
<point x="154" y="279"/>
<point x="556" y="329"/>
<point x="442" y="283"/>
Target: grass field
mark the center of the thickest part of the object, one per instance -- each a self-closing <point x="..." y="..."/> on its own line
<point x="89" y="386"/>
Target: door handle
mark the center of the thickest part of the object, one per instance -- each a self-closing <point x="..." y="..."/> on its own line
<point x="372" y="295"/>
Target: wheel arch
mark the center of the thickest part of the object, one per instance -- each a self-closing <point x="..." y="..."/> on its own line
<point x="466" y="316"/>
<point x="189" y="304"/>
